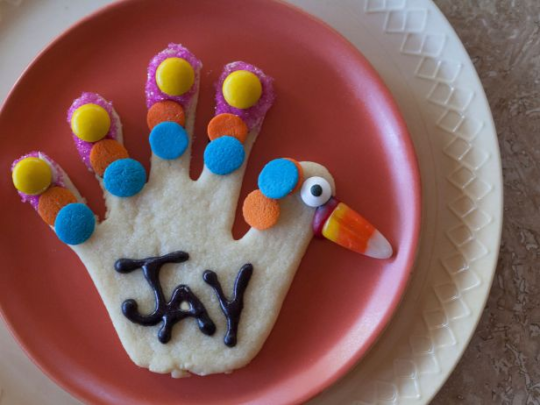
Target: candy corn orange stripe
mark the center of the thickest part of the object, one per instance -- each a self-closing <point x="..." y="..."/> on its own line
<point x="349" y="229"/>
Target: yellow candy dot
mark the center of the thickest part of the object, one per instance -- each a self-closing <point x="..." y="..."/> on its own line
<point x="32" y="176"/>
<point x="175" y="76"/>
<point x="242" y="89"/>
<point x="90" y="122"/>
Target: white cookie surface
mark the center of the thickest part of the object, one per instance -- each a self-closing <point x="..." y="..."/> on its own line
<point x="175" y="213"/>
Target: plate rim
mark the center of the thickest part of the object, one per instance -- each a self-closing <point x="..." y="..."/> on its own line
<point x="500" y="194"/>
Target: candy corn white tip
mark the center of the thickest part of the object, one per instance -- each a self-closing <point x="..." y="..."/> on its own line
<point x="378" y="247"/>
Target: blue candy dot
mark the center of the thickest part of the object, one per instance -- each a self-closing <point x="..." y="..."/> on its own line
<point x="224" y="155"/>
<point x="74" y="223"/>
<point x="168" y="140"/>
<point x="124" y="177"/>
<point x="278" y="178"/>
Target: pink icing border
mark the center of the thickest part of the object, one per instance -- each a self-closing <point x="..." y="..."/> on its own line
<point x="57" y="180"/>
<point x="252" y="116"/>
<point x="84" y="147"/>
<point x="153" y="93"/>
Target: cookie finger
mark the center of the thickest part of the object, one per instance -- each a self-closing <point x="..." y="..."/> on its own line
<point x="97" y="133"/>
<point x="42" y="183"/>
<point x="244" y="94"/>
<point x="172" y="88"/>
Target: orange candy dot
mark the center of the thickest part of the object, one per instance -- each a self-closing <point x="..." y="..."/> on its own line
<point x="300" y="174"/>
<point x="227" y="124"/>
<point x="105" y="152"/>
<point x="167" y="110"/>
<point x="260" y="212"/>
<point x="52" y="201"/>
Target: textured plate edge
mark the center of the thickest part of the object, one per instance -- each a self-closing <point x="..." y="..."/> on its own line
<point x="500" y="198"/>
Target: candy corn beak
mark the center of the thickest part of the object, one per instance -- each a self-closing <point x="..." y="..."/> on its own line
<point x="342" y="225"/>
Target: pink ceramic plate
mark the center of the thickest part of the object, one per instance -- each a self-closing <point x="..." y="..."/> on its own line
<point x="332" y="108"/>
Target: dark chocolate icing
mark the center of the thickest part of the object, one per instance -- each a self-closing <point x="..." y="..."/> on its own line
<point x="231" y="308"/>
<point x="166" y="313"/>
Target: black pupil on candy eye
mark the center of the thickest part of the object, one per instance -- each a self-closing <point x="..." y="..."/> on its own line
<point x="316" y="190"/>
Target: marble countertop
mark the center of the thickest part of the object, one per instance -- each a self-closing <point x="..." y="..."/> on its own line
<point x="502" y="363"/>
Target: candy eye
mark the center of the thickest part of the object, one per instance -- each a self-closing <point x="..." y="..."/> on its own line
<point x="316" y="191"/>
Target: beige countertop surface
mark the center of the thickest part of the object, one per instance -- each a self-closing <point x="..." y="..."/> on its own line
<point x="502" y="363"/>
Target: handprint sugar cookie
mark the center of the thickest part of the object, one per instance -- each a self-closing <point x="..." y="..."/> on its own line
<point x="183" y="295"/>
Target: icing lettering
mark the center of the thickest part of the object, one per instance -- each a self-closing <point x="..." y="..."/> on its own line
<point x="166" y="313"/>
<point x="231" y="308"/>
<point x="169" y="313"/>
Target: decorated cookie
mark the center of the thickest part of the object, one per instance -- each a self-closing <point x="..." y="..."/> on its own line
<point x="183" y="295"/>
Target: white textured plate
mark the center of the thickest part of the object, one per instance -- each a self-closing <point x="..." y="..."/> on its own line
<point x="432" y="78"/>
